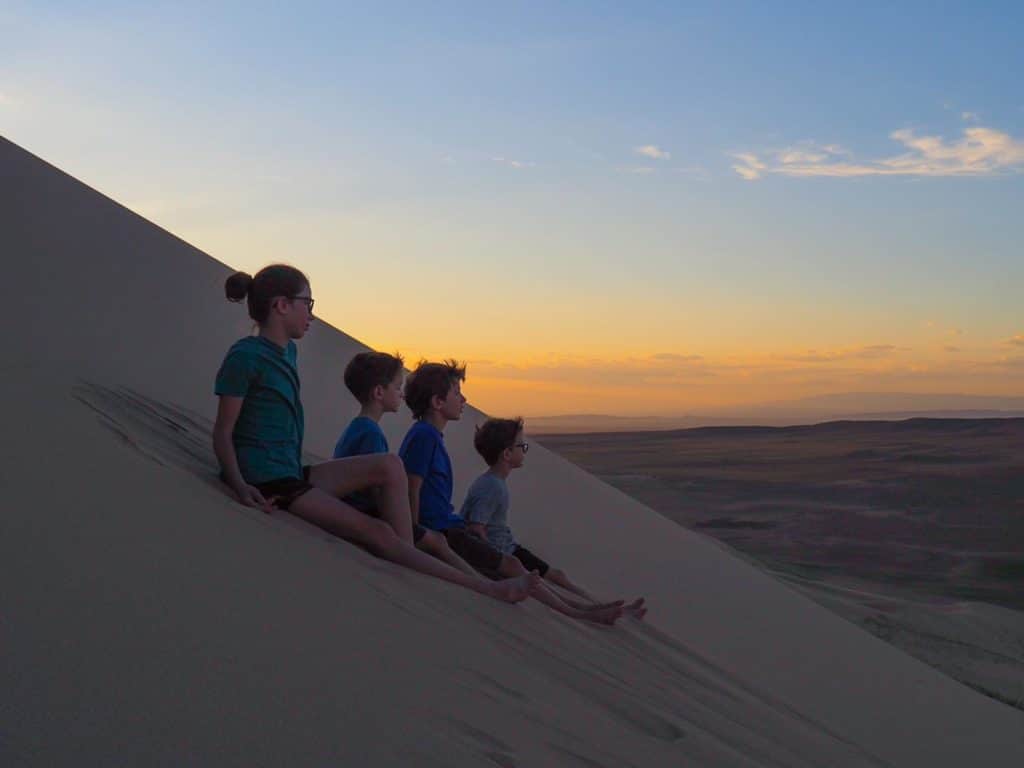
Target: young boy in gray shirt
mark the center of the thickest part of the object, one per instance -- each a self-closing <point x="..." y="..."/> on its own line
<point x="502" y="445"/>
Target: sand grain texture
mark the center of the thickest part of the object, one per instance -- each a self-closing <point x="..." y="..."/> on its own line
<point x="146" y="618"/>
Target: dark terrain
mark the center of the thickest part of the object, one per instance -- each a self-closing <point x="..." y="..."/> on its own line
<point x="913" y="529"/>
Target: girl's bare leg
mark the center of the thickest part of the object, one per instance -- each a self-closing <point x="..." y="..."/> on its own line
<point x="323" y="509"/>
<point x="382" y="471"/>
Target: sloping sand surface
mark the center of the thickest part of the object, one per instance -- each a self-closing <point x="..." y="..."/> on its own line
<point x="146" y="618"/>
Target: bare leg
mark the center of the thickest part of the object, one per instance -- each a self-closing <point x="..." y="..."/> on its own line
<point x="324" y="510"/>
<point x="436" y="544"/>
<point x="511" y="566"/>
<point x="383" y="471"/>
<point x="557" y="576"/>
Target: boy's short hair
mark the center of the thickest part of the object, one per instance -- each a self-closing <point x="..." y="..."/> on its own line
<point x="431" y="380"/>
<point x="370" y="369"/>
<point x="494" y="436"/>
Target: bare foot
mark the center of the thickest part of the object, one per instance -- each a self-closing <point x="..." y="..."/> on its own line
<point x="636" y="609"/>
<point x="514" y="590"/>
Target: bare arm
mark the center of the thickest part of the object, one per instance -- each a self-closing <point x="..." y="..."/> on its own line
<point x="478" y="529"/>
<point x="415" y="483"/>
<point x="227" y="414"/>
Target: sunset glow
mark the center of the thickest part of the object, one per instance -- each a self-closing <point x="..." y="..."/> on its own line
<point x="638" y="211"/>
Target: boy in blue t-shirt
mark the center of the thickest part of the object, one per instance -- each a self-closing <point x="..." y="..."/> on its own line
<point x="433" y="393"/>
<point x="375" y="380"/>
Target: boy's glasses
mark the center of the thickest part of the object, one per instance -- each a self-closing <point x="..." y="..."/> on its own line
<point x="524" y="446"/>
<point x="307" y="299"/>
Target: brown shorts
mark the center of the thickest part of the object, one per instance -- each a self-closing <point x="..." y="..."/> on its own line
<point x="284" y="490"/>
<point x="530" y="561"/>
<point x="474" y="550"/>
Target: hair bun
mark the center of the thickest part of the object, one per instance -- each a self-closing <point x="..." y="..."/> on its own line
<point x="236" y="287"/>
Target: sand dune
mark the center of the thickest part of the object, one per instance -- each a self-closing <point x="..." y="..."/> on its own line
<point x="146" y="618"/>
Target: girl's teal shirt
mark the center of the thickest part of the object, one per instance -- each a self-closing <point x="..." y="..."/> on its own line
<point x="269" y="431"/>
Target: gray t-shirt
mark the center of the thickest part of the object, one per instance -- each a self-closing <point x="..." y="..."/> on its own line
<point x="487" y="502"/>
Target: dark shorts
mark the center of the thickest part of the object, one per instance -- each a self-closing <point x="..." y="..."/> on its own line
<point x="418" y="530"/>
<point x="530" y="561"/>
<point x="284" y="490"/>
<point x="474" y="550"/>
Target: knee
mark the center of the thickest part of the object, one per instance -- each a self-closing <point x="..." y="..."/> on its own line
<point x="380" y="537"/>
<point x="433" y="542"/>
<point x="510" y="566"/>
<point x="391" y="470"/>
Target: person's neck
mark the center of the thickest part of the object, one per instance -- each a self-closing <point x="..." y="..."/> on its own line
<point x="502" y="469"/>
<point x="276" y="335"/>
<point x="372" y="411"/>
<point x="436" y="420"/>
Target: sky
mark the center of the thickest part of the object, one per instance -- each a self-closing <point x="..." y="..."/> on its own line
<point x="643" y="208"/>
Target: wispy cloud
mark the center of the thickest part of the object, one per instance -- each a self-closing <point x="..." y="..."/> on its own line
<point x="652" y="151"/>
<point x="969" y="116"/>
<point x="1016" y="341"/>
<point x="663" y="368"/>
<point x="676" y="358"/>
<point x="749" y="166"/>
<point x="514" y="163"/>
<point x="979" y="151"/>
<point x="867" y="352"/>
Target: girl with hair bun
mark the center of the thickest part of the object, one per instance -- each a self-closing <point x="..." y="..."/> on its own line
<point x="259" y="430"/>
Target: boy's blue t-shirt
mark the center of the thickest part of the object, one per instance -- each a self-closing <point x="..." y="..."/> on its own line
<point x="269" y="431"/>
<point x="424" y="454"/>
<point x="362" y="436"/>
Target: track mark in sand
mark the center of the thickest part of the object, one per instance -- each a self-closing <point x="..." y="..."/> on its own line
<point x="496" y="685"/>
<point x="572" y="757"/>
<point x="164" y="433"/>
<point x="486" y="745"/>
<point x="643" y="719"/>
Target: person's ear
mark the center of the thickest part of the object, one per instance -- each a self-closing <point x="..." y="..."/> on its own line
<point x="435" y="402"/>
<point x="378" y="392"/>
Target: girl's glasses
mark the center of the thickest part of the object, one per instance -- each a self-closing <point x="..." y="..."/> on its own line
<point x="524" y="446"/>
<point x="307" y="299"/>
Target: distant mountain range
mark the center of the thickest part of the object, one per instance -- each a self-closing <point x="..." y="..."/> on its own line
<point x="858" y="406"/>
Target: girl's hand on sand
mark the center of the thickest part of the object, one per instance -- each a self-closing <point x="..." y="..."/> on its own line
<point x="251" y="497"/>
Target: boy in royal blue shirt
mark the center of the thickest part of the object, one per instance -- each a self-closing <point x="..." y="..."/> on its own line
<point x="375" y="380"/>
<point x="433" y="393"/>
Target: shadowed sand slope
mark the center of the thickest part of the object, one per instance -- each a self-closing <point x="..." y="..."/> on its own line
<point x="146" y="618"/>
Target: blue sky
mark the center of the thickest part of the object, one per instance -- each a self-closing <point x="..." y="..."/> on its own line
<point x="732" y="184"/>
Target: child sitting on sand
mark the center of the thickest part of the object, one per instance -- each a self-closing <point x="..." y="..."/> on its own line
<point x="375" y="379"/>
<point x="259" y="429"/>
<point x="434" y="394"/>
<point x="502" y="445"/>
